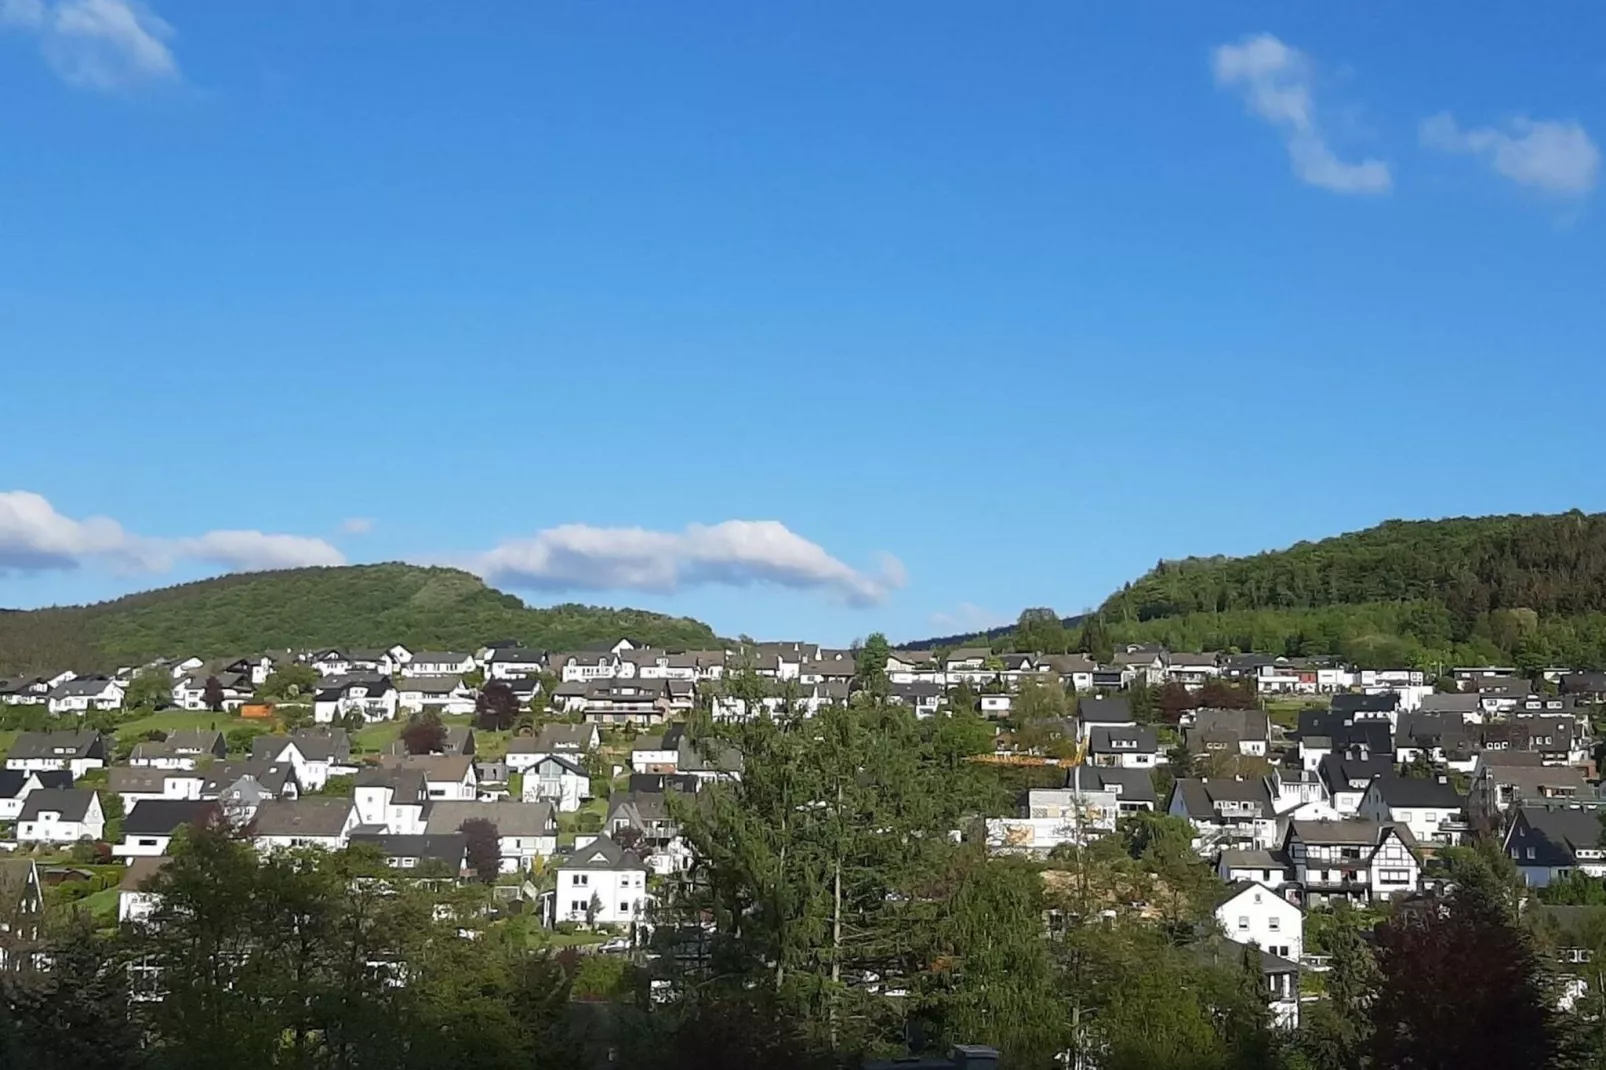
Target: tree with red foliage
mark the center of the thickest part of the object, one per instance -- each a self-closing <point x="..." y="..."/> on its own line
<point x="424" y="734"/>
<point x="1462" y="984"/>
<point x="1174" y="700"/>
<point x="496" y="708"/>
<point x="212" y="693"/>
<point x="482" y="848"/>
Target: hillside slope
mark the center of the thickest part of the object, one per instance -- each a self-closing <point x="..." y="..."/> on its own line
<point x="1529" y="589"/>
<point x="359" y="605"/>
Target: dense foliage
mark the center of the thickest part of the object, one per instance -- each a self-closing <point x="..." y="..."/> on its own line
<point x="360" y="605"/>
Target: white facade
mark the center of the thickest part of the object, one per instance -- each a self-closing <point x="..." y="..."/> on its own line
<point x="559" y="782"/>
<point x="176" y="784"/>
<point x="377" y="804"/>
<point x="50" y="826"/>
<point x="109" y="697"/>
<point x="1258" y="915"/>
<point x="427" y="664"/>
<point x="620" y="896"/>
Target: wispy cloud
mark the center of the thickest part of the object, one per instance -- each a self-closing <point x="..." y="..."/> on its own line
<point x="356" y="525"/>
<point x="580" y="557"/>
<point x="1275" y="83"/>
<point x="969" y="617"/>
<point x="96" y="44"/>
<point x="34" y="537"/>
<point x="1556" y="156"/>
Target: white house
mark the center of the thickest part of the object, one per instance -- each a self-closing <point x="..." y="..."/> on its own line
<point x="438" y="663"/>
<point x="150" y="826"/>
<point x="1123" y="746"/>
<point x="16" y="785"/>
<point x="449" y="777"/>
<point x="1549" y="842"/>
<point x="1251" y="913"/>
<point x="508" y="663"/>
<point x="525" y="831"/>
<point x="1266" y="868"/>
<point x="392" y="799"/>
<point x="80" y="696"/>
<point x="183" y="749"/>
<point x="1430" y="808"/>
<point x="61" y="815"/>
<point x="306" y="822"/>
<point x="573" y="741"/>
<point x="135" y="901"/>
<point x="137" y="785"/>
<point x="373" y="697"/>
<point x="316" y="754"/>
<point x="1354" y="860"/>
<point x="445" y="695"/>
<point x="601" y="884"/>
<point x="78" y="751"/>
<point x="559" y="780"/>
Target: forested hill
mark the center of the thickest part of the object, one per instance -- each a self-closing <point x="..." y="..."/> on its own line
<point x="1530" y="589"/>
<point x="359" y="605"/>
<point x="1550" y="564"/>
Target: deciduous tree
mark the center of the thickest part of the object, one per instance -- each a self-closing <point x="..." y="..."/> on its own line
<point x="497" y="707"/>
<point x="424" y="734"/>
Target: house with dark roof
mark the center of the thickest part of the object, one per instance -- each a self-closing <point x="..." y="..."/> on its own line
<point x="1254" y="865"/>
<point x="1584" y="686"/>
<point x="600" y="884"/>
<point x="390" y="800"/>
<point x="439" y="663"/>
<point x="135" y="900"/>
<point x="1547" y="843"/>
<point x="22" y="906"/>
<point x="240" y="788"/>
<point x="312" y="821"/>
<point x="61" y="815"/>
<point x="16" y="784"/>
<point x="1113" y="712"/>
<point x="1499" y="784"/>
<point x="1430" y="807"/>
<point x="1123" y="746"/>
<point x="573" y="741"/>
<point x="1361" y="707"/>
<point x="77" y="751"/>
<point x="1354" y="860"/>
<point x="506" y="663"/>
<point x="184" y="748"/>
<point x="525" y="831"/>
<point x="1212" y="731"/>
<point x="1133" y="788"/>
<point x="150" y="826"/>
<point x="1225" y="812"/>
<point x="136" y="783"/>
<point x="445" y="695"/>
<point x="559" y="780"/>
<point x="447" y="851"/>
<point x="369" y="696"/>
<point x="85" y="693"/>
<point x="1346" y="778"/>
<point x="1253" y="913"/>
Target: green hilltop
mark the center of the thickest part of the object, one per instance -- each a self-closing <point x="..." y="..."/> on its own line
<point x="1530" y="590"/>
<point x="358" y="605"/>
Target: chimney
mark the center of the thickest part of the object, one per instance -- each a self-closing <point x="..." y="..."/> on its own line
<point x="974" y="1057"/>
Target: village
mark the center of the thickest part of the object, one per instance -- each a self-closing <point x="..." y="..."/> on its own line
<point x="1319" y="785"/>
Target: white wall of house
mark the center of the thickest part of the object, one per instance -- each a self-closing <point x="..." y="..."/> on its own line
<point x="621" y="895"/>
<point x="141" y="846"/>
<point x="1259" y="916"/>
<point x="51" y="828"/>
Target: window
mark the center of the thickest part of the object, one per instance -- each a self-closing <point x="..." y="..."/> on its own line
<point x="582" y="879"/>
<point x="1243" y="923"/>
<point x="1274" y="924"/>
<point x="1393" y="876"/>
<point x="1530" y="853"/>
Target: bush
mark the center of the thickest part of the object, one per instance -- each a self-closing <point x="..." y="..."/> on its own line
<point x="588" y="821"/>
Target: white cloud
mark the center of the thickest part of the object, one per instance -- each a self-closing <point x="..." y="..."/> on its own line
<point x="969" y="617"/>
<point x="96" y="44"/>
<point x="356" y="525"/>
<point x="1552" y="155"/>
<point x="1275" y="83"/>
<point x="34" y="537"/>
<point x="735" y="553"/>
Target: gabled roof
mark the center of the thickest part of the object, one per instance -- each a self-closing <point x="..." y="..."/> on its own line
<point x="1243" y="887"/>
<point x="310" y="816"/>
<point x="438" y="657"/>
<point x="1339" y="773"/>
<point x="1383" y="702"/>
<point x="603" y="853"/>
<point x="431" y="685"/>
<point x="1556" y="835"/>
<point x="271" y="776"/>
<point x="637" y="807"/>
<point x="518" y="655"/>
<point x="1103" y="739"/>
<point x="68" y="744"/>
<point x="510" y="818"/>
<point x="71" y="803"/>
<point x="437" y="768"/>
<point x="13" y="781"/>
<point x="139" y="873"/>
<point x="83" y="687"/>
<point x="555" y="737"/>
<point x="163" y="817"/>
<point x="563" y="764"/>
<point x="448" y="847"/>
<point x="1451" y="702"/>
<point x="1234" y="858"/>
<point x="1130" y="785"/>
<point x="1367" y="833"/>
<point x="1415" y="793"/>
<point x="1115" y="710"/>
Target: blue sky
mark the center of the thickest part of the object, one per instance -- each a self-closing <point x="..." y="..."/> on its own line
<point x="808" y="320"/>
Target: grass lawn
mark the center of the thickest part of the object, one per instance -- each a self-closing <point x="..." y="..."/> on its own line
<point x="177" y="720"/>
<point x="379" y="737"/>
<point x="102" y="905"/>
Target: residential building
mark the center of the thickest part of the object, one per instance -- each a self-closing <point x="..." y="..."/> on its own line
<point x="559" y="780"/>
<point x="508" y="663"/>
<point x="1500" y="783"/>
<point x="1215" y="731"/>
<point x="312" y="821"/>
<point x="601" y="884"/>
<point x="572" y="741"/>
<point x="1267" y="868"/>
<point x="1225" y="812"/>
<point x="242" y="787"/>
<point x="1432" y="809"/>
<point x="371" y="697"/>
<point x="1547" y="843"/>
<point x="316" y="754"/>
<point x="61" y="815"/>
<point x="445" y="695"/>
<point x="17" y="784"/>
<point x="391" y="801"/>
<point x="77" y="751"/>
<point x="1355" y="860"/>
<point x="150" y="826"/>
<point x="1093" y="713"/>
<point x="438" y="663"/>
<point x="526" y="831"/>
<point x="1253" y="913"/>
<point x="1123" y="746"/>
<point x="136" y="784"/>
<point x="445" y="852"/>
<point x="22" y="908"/>
<point x="450" y="777"/>
<point x="84" y="694"/>
<point x="184" y="748"/>
<point x="135" y="901"/>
